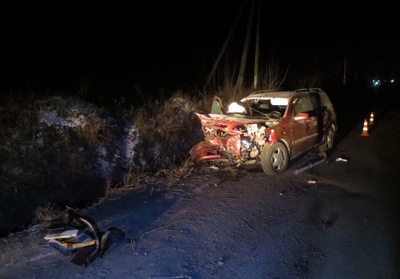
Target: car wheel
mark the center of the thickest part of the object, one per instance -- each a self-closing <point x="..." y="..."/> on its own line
<point x="328" y="144"/>
<point x="274" y="158"/>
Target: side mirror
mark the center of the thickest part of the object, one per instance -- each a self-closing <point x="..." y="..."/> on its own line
<point x="301" y="116"/>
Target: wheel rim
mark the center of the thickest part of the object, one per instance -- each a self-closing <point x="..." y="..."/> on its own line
<point x="278" y="159"/>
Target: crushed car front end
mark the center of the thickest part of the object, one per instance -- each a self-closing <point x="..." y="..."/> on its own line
<point x="237" y="138"/>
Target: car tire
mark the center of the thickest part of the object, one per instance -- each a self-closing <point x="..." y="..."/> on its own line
<point x="274" y="158"/>
<point x="328" y="142"/>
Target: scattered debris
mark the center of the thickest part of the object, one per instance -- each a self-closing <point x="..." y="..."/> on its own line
<point x="312" y="181"/>
<point x="79" y="235"/>
<point x="341" y="160"/>
<point x="62" y="235"/>
<point x="283" y="192"/>
<point x="311" y="165"/>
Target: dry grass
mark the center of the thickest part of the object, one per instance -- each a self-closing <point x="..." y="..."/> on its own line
<point x="90" y="127"/>
<point x="93" y="132"/>
<point x="167" y="130"/>
<point x="177" y="172"/>
<point x="160" y="120"/>
<point x="156" y="120"/>
<point x="133" y="178"/>
<point x="46" y="213"/>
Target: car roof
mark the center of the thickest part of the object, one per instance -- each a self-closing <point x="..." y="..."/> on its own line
<point x="269" y="95"/>
<point x="279" y="94"/>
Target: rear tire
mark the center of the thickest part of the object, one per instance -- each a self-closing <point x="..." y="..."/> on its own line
<point x="329" y="137"/>
<point x="274" y="158"/>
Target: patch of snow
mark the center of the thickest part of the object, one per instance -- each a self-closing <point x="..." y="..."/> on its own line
<point x="105" y="168"/>
<point x="51" y="118"/>
<point x="129" y="143"/>
<point x="102" y="151"/>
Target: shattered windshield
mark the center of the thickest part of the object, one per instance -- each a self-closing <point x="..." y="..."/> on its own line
<point x="268" y="107"/>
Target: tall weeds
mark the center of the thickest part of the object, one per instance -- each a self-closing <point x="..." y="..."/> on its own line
<point x="168" y="129"/>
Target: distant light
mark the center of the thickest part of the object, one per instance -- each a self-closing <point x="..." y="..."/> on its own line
<point x="392" y="80"/>
<point x="376" y="83"/>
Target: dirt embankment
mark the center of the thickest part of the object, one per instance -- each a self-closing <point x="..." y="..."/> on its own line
<point x="58" y="152"/>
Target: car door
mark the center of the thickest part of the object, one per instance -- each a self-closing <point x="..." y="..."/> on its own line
<point x="304" y="125"/>
<point x="217" y="106"/>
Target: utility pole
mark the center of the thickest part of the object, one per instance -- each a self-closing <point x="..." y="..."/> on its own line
<point x="228" y="39"/>
<point x="257" y="51"/>
<point x="345" y="71"/>
<point x="240" y="79"/>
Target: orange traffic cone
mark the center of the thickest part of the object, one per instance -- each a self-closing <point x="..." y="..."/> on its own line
<point x="371" y="119"/>
<point x="365" y="129"/>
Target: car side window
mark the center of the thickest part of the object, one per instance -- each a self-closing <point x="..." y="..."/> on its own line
<point x="315" y="101"/>
<point x="303" y="105"/>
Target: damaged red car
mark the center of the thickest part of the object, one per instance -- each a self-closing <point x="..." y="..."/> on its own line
<point x="268" y="128"/>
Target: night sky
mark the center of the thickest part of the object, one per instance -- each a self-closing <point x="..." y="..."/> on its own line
<point x="173" y="44"/>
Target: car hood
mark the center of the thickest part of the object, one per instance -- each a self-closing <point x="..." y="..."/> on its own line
<point x="236" y="119"/>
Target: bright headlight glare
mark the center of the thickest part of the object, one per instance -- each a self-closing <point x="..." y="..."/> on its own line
<point x="236" y="108"/>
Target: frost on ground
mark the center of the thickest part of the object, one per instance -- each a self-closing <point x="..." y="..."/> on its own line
<point x="113" y="146"/>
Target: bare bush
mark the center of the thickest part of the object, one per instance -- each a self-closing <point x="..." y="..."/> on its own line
<point x="167" y="129"/>
<point x="274" y="76"/>
<point x="46" y="213"/>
